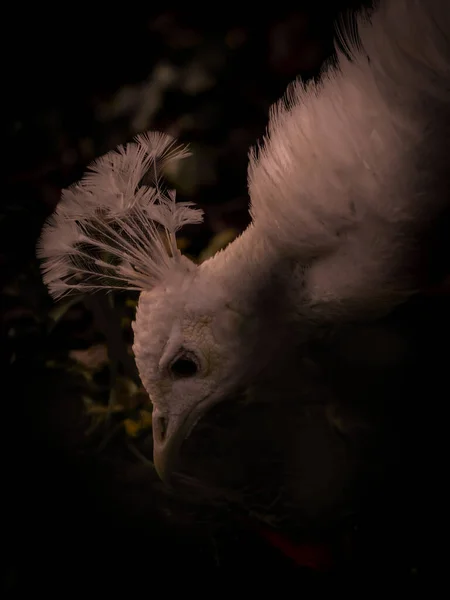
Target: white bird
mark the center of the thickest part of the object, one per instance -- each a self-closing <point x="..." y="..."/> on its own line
<point x="347" y="182"/>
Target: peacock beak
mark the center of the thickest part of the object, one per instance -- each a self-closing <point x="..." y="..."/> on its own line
<point x="170" y="429"/>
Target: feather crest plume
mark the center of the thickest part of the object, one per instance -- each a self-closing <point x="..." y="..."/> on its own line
<point x="115" y="229"/>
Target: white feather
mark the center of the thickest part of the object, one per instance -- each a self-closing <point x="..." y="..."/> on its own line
<point x="111" y="232"/>
<point x="354" y="167"/>
<point x="351" y="170"/>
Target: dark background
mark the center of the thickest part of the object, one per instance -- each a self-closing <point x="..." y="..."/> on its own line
<point x="77" y="82"/>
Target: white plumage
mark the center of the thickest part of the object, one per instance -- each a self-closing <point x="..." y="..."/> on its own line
<point x="350" y="176"/>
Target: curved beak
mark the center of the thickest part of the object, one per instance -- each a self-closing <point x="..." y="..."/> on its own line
<point x="170" y="429"/>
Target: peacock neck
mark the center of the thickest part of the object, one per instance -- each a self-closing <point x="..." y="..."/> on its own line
<point x="247" y="269"/>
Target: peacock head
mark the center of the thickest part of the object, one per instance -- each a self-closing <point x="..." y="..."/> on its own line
<point x="115" y="229"/>
<point x="193" y="349"/>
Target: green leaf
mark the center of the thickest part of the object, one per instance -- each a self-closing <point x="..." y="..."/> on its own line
<point x="60" y="309"/>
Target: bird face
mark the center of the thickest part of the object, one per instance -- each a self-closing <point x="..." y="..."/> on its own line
<point x="188" y="352"/>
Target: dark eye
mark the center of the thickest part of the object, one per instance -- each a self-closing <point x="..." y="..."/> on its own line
<point x="183" y="367"/>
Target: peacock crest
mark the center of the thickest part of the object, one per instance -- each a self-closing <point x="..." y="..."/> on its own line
<point x="116" y="228"/>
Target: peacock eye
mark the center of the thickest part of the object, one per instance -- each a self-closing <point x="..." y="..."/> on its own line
<point x="183" y="366"/>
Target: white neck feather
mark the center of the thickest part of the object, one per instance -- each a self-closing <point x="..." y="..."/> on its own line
<point x="246" y="268"/>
